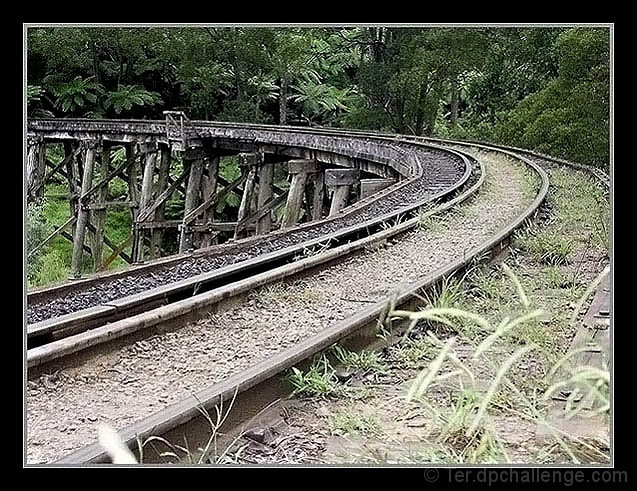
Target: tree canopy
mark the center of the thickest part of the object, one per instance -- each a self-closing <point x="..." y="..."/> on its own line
<point x="542" y="88"/>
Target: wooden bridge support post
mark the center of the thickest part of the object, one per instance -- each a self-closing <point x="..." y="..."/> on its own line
<point x="315" y="192"/>
<point x="340" y="181"/>
<point x="162" y="184"/>
<point x="72" y="179"/>
<point x="36" y="166"/>
<point x="266" y="190"/>
<point x="299" y="170"/>
<point x="208" y="188"/>
<point x="248" y="162"/>
<point x="83" y="211"/>
<point x="133" y="192"/>
<point x="149" y="151"/>
<point x="192" y="196"/>
<point x="99" y="212"/>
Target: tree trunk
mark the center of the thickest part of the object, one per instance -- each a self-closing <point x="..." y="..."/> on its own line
<point x="420" y="111"/>
<point x="283" y="102"/>
<point x="455" y="96"/>
<point x="401" y="115"/>
<point x="96" y="63"/>
<point x="429" y="127"/>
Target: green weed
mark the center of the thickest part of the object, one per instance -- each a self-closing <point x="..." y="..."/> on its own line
<point x="352" y="421"/>
<point x="548" y="246"/>
<point x="365" y="361"/>
<point x="318" y="380"/>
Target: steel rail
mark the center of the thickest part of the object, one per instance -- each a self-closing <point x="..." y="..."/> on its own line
<point x="40" y="295"/>
<point x="249" y="274"/>
<point x="185" y="411"/>
<point x="600" y="174"/>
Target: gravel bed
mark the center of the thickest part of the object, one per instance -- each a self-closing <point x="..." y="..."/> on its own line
<point x="440" y="170"/>
<point x="131" y="383"/>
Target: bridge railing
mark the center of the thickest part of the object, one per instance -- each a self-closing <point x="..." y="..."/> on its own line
<point x="177" y="124"/>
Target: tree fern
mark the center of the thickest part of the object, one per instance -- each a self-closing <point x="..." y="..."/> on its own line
<point x="128" y="96"/>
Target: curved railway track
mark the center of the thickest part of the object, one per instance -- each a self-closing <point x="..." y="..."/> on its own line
<point x="275" y="264"/>
<point x="432" y="173"/>
<point x="437" y="174"/>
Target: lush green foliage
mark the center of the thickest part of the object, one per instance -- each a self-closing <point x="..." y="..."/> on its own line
<point x="35" y="233"/>
<point x="543" y="88"/>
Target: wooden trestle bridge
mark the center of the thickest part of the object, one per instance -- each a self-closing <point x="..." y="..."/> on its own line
<point x="175" y="159"/>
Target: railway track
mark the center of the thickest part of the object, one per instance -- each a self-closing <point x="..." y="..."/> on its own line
<point x="426" y="182"/>
<point x="78" y="331"/>
<point x="344" y="241"/>
<point x="74" y="307"/>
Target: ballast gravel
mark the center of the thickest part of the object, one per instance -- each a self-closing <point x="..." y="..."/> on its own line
<point x="126" y="385"/>
<point x="440" y="170"/>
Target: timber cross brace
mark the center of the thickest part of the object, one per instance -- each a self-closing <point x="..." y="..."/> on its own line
<point x="186" y="184"/>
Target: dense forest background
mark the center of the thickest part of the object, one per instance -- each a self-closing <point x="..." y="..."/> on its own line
<point x="546" y="89"/>
<point x="541" y="88"/>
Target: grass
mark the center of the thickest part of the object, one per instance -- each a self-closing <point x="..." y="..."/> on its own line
<point x="413" y="354"/>
<point x="555" y="277"/>
<point x="319" y="380"/>
<point x="434" y="223"/>
<point x="464" y="431"/>
<point x="546" y="245"/>
<point x="349" y="420"/>
<point x="55" y="257"/>
<point x="365" y="361"/>
<point x="53" y="269"/>
<point x="581" y="215"/>
<point x="456" y="444"/>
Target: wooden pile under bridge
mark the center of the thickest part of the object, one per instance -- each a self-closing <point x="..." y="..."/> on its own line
<point x="171" y="160"/>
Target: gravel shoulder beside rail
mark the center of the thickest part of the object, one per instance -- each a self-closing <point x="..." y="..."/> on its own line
<point x="131" y="383"/>
<point x="440" y="170"/>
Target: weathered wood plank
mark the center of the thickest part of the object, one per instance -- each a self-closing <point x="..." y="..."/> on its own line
<point x="295" y="200"/>
<point x="161" y="199"/>
<point x="71" y="151"/>
<point x="215" y="198"/>
<point x="317" y="195"/>
<point x="341" y="177"/>
<point x="208" y="189"/>
<point x="56" y="168"/>
<point x="144" y="198"/>
<point x="110" y="244"/>
<point x="244" y="207"/>
<point x="264" y="224"/>
<point x="371" y="186"/>
<point x="118" y="171"/>
<point x="82" y="217"/>
<point x="99" y="210"/>
<point x="340" y="197"/>
<point x="34" y="170"/>
<point x="158" y="208"/>
<point x="110" y="204"/>
<point x="262" y="211"/>
<point x="118" y="250"/>
<point x="192" y="199"/>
